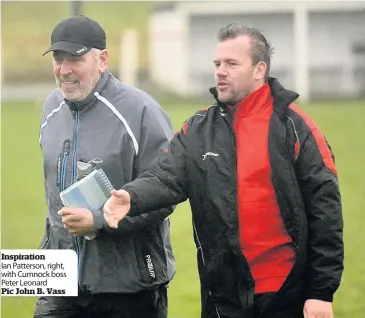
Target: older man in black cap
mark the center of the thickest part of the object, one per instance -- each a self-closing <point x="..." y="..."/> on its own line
<point x="121" y="272"/>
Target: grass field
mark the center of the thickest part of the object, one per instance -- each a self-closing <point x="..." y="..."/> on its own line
<point x="23" y="207"/>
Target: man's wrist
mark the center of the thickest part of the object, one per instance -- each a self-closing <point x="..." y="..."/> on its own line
<point x="98" y="218"/>
<point x="132" y="202"/>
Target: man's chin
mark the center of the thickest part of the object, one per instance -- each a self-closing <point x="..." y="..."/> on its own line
<point x="73" y="97"/>
<point x="223" y="98"/>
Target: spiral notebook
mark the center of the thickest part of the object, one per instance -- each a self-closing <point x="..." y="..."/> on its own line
<point x="91" y="192"/>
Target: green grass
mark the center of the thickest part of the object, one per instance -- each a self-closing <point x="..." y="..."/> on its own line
<point x="23" y="207"/>
<point x="26" y="28"/>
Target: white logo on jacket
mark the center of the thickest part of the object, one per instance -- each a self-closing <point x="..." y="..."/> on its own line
<point x="209" y="154"/>
<point x="150" y="266"/>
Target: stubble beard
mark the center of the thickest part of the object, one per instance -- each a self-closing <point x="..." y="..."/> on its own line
<point x="81" y="91"/>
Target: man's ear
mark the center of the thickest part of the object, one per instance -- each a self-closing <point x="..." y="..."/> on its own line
<point x="260" y="70"/>
<point x="103" y="60"/>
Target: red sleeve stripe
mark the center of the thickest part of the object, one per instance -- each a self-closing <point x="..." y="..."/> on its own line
<point x="185" y="127"/>
<point x="319" y="138"/>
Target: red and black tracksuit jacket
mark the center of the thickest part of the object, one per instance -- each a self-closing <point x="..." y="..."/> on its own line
<point x="265" y="201"/>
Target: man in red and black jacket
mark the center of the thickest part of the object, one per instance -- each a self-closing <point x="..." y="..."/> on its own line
<point x="263" y="189"/>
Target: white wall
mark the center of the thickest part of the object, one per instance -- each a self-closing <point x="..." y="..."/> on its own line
<point x="332" y="36"/>
<point x="167" y="49"/>
<point x="182" y="43"/>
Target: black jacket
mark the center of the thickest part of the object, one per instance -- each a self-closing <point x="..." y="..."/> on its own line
<point x="307" y="192"/>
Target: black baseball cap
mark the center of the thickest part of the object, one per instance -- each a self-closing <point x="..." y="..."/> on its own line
<point x="77" y="35"/>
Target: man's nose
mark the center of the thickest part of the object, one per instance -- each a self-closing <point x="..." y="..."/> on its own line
<point x="65" y="68"/>
<point x="221" y="71"/>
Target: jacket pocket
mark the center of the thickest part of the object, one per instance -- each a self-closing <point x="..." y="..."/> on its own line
<point x="45" y="239"/>
<point x="145" y="261"/>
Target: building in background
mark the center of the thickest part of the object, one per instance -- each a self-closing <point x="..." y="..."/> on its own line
<point x="319" y="46"/>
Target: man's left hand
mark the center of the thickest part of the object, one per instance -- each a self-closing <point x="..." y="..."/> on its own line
<point x="314" y="308"/>
<point x="78" y="221"/>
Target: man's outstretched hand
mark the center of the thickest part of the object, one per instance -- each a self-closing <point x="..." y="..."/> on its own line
<point x="117" y="207"/>
<point x="314" y="308"/>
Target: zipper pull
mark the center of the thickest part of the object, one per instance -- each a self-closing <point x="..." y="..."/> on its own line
<point x="67" y="146"/>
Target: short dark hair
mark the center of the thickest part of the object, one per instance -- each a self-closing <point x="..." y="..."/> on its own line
<point x="262" y="50"/>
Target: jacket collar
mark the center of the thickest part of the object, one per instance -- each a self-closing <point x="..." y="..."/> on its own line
<point x="282" y="97"/>
<point x="254" y="102"/>
<point x="91" y="98"/>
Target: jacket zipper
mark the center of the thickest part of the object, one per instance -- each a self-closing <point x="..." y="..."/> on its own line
<point x="246" y="286"/>
<point x="77" y="119"/>
<point x="229" y="119"/>
<point x="73" y="179"/>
